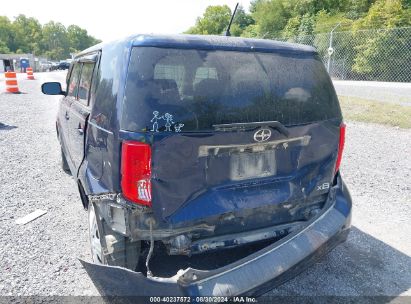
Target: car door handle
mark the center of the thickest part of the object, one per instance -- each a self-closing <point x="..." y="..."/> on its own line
<point x="67" y="116"/>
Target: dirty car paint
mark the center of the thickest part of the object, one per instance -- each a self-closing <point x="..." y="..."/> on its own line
<point x="192" y="178"/>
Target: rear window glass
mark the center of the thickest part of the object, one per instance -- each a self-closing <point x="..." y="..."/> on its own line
<point x="192" y="90"/>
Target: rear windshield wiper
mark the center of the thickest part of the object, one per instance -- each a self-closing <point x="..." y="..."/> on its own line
<point x="252" y="125"/>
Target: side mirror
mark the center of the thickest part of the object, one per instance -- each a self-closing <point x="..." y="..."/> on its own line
<point x="52" y="88"/>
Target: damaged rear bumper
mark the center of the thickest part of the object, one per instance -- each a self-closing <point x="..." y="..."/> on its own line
<point x="252" y="275"/>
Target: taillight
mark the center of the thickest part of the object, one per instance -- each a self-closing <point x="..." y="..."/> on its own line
<point x="340" y="147"/>
<point x="136" y="172"/>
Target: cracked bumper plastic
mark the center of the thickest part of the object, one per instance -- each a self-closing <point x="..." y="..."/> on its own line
<point x="252" y="275"/>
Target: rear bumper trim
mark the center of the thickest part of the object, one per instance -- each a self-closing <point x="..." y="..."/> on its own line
<point x="273" y="261"/>
<point x="252" y="275"/>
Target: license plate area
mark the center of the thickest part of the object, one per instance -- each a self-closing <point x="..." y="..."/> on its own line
<point x="250" y="165"/>
<point x="240" y="163"/>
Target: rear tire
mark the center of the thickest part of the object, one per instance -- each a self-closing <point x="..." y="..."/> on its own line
<point x="121" y="251"/>
<point x="64" y="164"/>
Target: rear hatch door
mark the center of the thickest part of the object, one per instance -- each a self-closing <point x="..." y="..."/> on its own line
<point x="232" y="131"/>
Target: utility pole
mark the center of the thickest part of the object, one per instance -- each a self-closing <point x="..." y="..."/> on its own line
<point x="330" y="48"/>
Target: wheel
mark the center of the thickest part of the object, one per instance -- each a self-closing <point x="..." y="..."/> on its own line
<point x="64" y="164"/>
<point x="94" y="237"/>
<point x="121" y="251"/>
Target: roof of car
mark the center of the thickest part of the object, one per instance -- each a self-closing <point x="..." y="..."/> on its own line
<point x="208" y="42"/>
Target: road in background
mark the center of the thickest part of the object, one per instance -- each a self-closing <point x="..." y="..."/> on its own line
<point x="396" y="92"/>
<point x="40" y="258"/>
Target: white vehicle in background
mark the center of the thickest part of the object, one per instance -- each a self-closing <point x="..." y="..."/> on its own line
<point x="54" y="65"/>
<point x="45" y="66"/>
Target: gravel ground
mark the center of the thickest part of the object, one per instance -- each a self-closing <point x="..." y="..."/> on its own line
<point x="40" y="258"/>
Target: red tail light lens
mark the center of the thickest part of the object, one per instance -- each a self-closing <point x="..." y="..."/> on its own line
<point x="136" y="172"/>
<point x="340" y="147"/>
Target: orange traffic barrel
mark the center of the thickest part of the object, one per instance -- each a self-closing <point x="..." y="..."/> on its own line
<point x="29" y="72"/>
<point x="11" y="83"/>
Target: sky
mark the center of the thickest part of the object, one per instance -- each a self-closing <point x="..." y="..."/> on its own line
<point x="109" y="20"/>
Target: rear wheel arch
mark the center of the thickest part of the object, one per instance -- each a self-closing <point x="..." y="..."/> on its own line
<point x="109" y="247"/>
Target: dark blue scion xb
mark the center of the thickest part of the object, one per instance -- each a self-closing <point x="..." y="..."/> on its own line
<point x="218" y="156"/>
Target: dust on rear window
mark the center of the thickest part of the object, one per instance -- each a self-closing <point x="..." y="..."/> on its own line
<point x="178" y="90"/>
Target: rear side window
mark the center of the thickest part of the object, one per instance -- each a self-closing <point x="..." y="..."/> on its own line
<point x="85" y="81"/>
<point x="192" y="90"/>
<point x="73" y="81"/>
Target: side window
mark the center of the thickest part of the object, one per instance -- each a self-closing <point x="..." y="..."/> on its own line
<point x="85" y="82"/>
<point x="73" y="82"/>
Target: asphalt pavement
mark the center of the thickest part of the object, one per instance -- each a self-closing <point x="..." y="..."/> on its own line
<point x="392" y="92"/>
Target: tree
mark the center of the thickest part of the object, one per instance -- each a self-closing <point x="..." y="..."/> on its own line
<point x="270" y="17"/>
<point x="242" y="19"/>
<point x="306" y="25"/>
<point x="27" y="35"/>
<point x="55" y="41"/>
<point x="213" y="22"/>
<point x="216" y="19"/>
<point x="290" y="19"/>
<point x="254" y="4"/>
<point x="5" y="34"/>
<point x="384" y="55"/>
<point x="251" y="31"/>
<point x="3" y="48"/>
<point x="79" y="39"/>
<point x="291" y="29"/>
<point x="26" y="32"/>
<point x="357" y="8"/>
<point x="385" y="13"/>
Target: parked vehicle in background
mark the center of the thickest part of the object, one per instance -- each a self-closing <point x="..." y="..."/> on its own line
<point x="54" y="66"/>
<point x="63" y="65"/>
<point x="45" y="66"/>
<point x="189" y="145"/>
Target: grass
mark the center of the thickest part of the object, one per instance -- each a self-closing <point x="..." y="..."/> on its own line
<point x="358" y="109"/>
